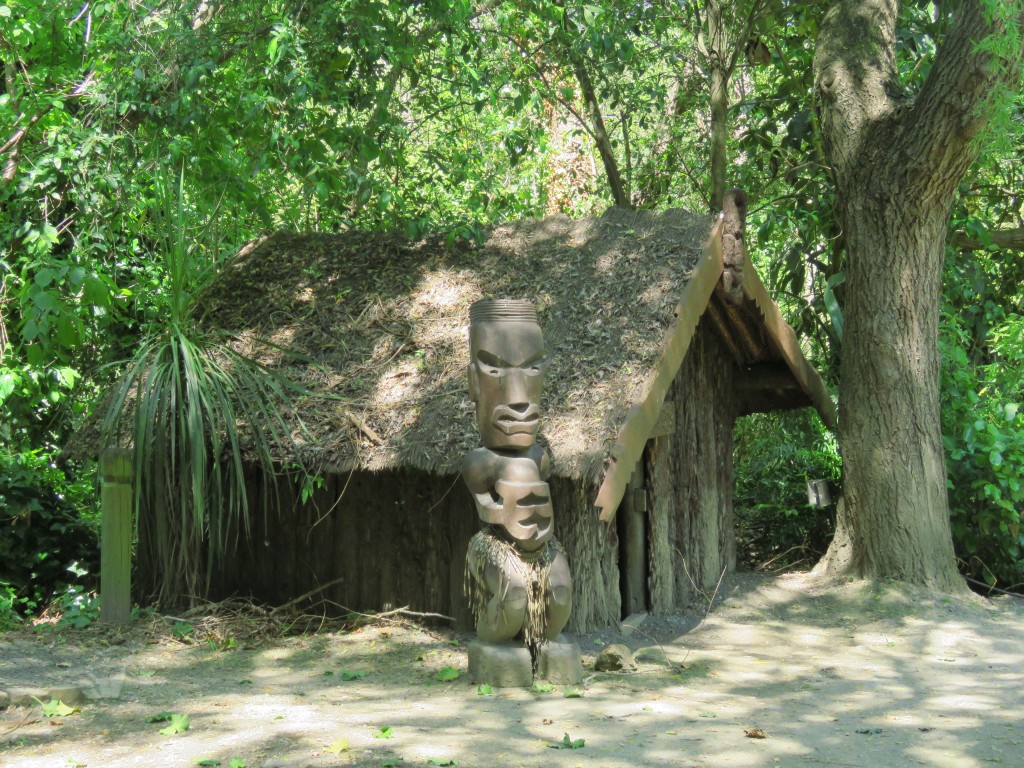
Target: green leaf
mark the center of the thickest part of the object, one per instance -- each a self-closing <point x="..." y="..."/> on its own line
<point x="45" y="301"/>
<point x="572" y="693"/>
<point x="163" y="717"/>
<point x="543" y="687"/>
<point x="8" y="383"/>
<point x="441" y="761"/>
<point x="384" y="733"/>
<point x="567" y="743"/>
<point x="447" y="674"/>
<point x="354" y="675"/>
<point x="237" y="762"/>
<point x="66" y="377"/>
<point x="835" y="312"/>
<point x="57" y="708"/>
<point x="179" y="724"/>
<point x="44" y="277"/>
<point x="484" y="690"/>
<point x="209" y="762"/>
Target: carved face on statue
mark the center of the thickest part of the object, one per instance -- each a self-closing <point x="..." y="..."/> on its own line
<point x="506" y="372"/>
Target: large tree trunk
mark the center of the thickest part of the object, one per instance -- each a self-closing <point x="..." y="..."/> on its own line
<point x="896" y="160"/>
<point x="894" y="518"/>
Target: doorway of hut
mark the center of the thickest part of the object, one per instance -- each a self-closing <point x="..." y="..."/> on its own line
<point x="732" y="494"/>
<point x="781" y="460"/>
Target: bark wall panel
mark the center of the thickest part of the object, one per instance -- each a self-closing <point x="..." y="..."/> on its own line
<point x="400" y="538"/>
<point x="592" y="549"/>
<point x="702" y="538"/>
<point x="661" y="506"/>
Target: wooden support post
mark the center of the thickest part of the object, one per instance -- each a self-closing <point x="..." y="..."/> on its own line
<point x="116" y="536"/>
<point x="634" y="544"/>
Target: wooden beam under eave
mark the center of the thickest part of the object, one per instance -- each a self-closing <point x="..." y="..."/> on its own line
<point x="643" y="416"/>
<point x="745" y="320"/>
<point x="766" y="376"/>
<point x="725" y="333"/>
<point x="782" y="334"/>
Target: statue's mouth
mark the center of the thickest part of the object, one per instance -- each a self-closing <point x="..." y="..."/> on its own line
<point x="513" y="422"/>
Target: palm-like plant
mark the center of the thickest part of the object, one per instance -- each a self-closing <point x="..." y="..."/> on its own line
<point x="181" y="401"/>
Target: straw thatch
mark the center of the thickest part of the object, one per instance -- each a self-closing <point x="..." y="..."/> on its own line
<point x="375" y="329"/>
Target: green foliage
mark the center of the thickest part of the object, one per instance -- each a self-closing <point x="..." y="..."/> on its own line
<point x="9" y="603"/>
<point x="77" y="608"/>
<point x="984" y="440"/>
<point x="47" y="539"/>
<point x="775" y="456"/>
<point x="181" y="398"/>
<point x="981" y="388"/>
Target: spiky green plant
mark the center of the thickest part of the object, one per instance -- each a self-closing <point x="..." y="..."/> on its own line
<point x="181" y="401"/>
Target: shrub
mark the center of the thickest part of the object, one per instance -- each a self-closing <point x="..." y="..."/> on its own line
<point x="44" y="533"/>
<point x="984" y="441"/>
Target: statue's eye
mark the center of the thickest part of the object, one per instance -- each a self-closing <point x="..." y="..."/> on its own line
<point x="491" y="364"/>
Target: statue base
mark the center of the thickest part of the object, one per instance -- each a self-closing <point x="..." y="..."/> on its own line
<point x="504" y="665"/>
<point x="560" y="661"/>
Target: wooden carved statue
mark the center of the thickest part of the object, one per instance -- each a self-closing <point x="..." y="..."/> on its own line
<point x="517" y="573"/>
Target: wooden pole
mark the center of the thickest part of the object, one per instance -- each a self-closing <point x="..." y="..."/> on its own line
<point x="634" y="543"/>
<point x="116" y="536"/>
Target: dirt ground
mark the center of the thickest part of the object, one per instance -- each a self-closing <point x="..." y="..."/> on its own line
<point x="783" y="671"/>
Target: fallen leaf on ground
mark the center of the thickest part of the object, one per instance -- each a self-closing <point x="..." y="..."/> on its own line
<point x="57" y="708"/>
<point x="447" y="674"/>
<point x="755" y="733"/>
<point x="337" y="747"/>
<point x="567" y="743"/>
<point x="179" y="724"/>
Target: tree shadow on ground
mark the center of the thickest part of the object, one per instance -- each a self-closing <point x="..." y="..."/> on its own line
<point x="856" y="674"/>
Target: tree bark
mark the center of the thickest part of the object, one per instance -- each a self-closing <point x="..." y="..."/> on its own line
<point x="896" y="160"/>
<point x="604" y="143"/>
<point x="719" y="76"/>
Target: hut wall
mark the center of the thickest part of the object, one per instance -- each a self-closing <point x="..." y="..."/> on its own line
<point x="689" y="479"/>
<point x="399" y="538"/>
<point x="393" y="539"/>
<point x="592" y="549"/>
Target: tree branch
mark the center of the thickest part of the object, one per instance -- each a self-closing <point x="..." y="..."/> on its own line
<point x="13" y="145"/>
<point x="950" y="110"/>
<point x="1003" y="239"/>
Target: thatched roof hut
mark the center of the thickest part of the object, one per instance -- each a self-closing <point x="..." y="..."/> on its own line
<point x="375" y="328"/>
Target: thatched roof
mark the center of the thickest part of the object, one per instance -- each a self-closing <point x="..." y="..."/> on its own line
<point x="375" y="328"/>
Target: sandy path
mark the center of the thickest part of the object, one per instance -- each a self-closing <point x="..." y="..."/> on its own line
<point x="852" y="675"/>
